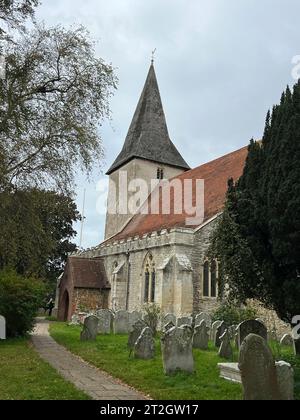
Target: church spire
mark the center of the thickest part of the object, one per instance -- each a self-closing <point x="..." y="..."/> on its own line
<point x="148" y="136"/>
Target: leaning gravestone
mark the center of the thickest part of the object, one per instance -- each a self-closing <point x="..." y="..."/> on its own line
<point x="135" y="332"/>
<point x="251" y="327"/>
<point x="144" y="347"/>
<point x="177" y="350"/>
<point x="105" y="320"/>
<point x="169" y="326"/>
<point x="219" y="332"/>
<point x="286" y="383"/>
<point x="287" y="340"/>
<point x="169" y="318"/>
<point x="90" y="329"/>
<point x="213" y="330"/>
<point x="258" y="370"/>
<point x="201" y="336"/>
<point x="121" y="322"/>
<point x="2" y="328"/>
<point x="185" y="320"/>
<point x="226" y="350"/>
<point x="203" y="317"/>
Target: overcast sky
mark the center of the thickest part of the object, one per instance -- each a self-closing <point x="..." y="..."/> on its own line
<point x="220" y="65"/>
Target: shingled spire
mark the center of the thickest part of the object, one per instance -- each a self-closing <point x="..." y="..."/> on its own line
<point x="148" y="136"/>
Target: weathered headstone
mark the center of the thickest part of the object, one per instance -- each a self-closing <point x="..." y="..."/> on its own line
<point x="185" y="320"/>
<point x="251" y="327"/>
<point x="177" y="350"/>
<point x="203" y="317"/>
<point x="201" y="336"/>
<point x="213" y="330"/>
<point x="257" y="366"/>
<point x="226" y="350"/>
<point x="133" y="318"/>
<point x="105" y="321"/>
<point x="121" y="322"/>
<point x="135" y="332"/>
<point x="2" y="328"/>
<point x="169" y="318"/>
<point x="144" y="347"/>
<point x="90" y="329"/>
<point x="169" y="326"/>
<point x="219" y="332"/>
<point x="287" y="340"/>
<point x="286" y="383"/>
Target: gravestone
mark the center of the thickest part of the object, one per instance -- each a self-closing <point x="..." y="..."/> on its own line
<point x="185" y="320"/>
<point x="203" y="317"/>
<point x="121" y="322"/>
<point x="144" y="347"/>
<point x="251" y="327"/>
<point x="169" y="326"/>
<point x="201" y="336"/>
<point x="219" y="332"/>
<point x="213" y="330"/>
<point x="2" y="328"/>
<point x="287" y="340"/>
<point x="90" y="329"/>
<point x="177" y="350"/>
<point x="226" y="350"/>
<point x="134" y="317"/>
<point x="286" y="383"/>
<point x="169" y="318"/>
<point x="105" y="321"/>
<point x="258" y="370"/>
<point x="135" y="332"/>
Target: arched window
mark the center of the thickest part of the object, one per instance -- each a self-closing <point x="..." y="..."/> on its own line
<point x="150" y="280"/>
<point x="210" y="279"/>
<point x="147" y="286"/>
<point x="213" y="279"/>
<point x="206" y="279"/>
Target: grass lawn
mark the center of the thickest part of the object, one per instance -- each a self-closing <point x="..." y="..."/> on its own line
<point x="110" y="354"/>
<point x="24" y="376"/>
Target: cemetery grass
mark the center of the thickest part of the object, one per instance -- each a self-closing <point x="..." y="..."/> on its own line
<point x="110" y="354"/>
<point x="25" y="376"/>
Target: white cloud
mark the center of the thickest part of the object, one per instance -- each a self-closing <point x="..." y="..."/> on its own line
<point x="220" y="64"/>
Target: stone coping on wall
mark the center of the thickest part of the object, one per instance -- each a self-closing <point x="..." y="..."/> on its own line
<point x="178" y="236"/>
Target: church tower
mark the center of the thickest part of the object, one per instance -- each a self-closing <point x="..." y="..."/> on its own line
<point x="147" y="154"/>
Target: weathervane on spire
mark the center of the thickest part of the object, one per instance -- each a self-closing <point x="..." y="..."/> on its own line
<point x="153" y="54"/>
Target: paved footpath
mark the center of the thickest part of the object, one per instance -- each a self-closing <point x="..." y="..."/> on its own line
<point x="98" y="385"/>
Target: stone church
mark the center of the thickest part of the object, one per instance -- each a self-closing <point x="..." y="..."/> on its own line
<point x="152" y="256"/>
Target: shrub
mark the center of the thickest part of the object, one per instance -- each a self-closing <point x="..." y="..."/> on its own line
<point x="152" y="314"/>
<point x="20" y="300"/>
<point x="233" y="314"/>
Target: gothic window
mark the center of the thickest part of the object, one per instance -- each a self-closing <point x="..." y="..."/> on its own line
<point x="153" y="286"/>
<point x="150" y="280"/>
<point x="210" y="279"/>
<point x="147" y="286"/>
<point x="206" y="279"/>
<point x="213" y="279"/>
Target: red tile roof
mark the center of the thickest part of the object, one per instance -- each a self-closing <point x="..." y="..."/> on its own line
<point x="215" y="174"/>
<point x="87" y="273"/>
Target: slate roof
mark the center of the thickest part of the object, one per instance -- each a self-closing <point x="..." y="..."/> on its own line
<point x="87" y="273"/>
<point x="148" y="136"/>
<point x="215" y="174"/>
